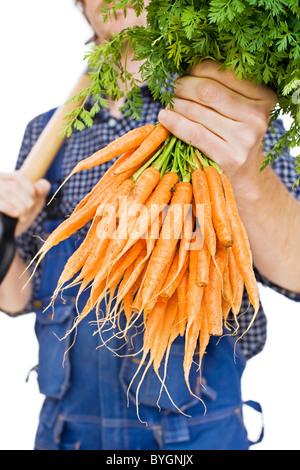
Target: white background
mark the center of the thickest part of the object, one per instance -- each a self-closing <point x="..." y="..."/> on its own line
<point x="42" y="49"/>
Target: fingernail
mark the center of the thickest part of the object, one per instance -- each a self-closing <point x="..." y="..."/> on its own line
<point x="43" y="186"/>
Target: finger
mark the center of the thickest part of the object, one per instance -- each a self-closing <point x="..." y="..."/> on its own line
<point x="9" y="209"/>
<point x="213" y="95"/>
<point x="213" y="121"/>
<point x="210" y="69"/>
<point x="193" y="133"/>
<point x="28" y="217"/>
<point x="22" y="198"/>
<point x="24" y="182"/>
<point x="6" y="176"/>
<point x="18" y="183"/>
<point x="16" y="196"/>
<point x="42" y="187"/>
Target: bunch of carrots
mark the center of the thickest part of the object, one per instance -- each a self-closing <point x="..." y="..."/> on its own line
<point x="165" y="241"/>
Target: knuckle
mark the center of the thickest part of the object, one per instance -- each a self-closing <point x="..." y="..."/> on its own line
<point x="270" y="97"/>
<point x="9" y="209"/>
<point x="197" y="136"/>
<point x="18" y="176"/>
<point x="273" y="99"/>
<point x="241" y="160"/>
<point x="22" y="180"/>
<point x="192" y="110"/>
<point x="207" y="91"/>
<point x="262" y="123"/>
<point x="259" y="123"/>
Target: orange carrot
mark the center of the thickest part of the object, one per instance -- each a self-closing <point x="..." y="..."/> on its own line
<point x="95" y="294"/>
<point x="146" y="149"/>
<point x="131" y="277"/>
<point x="88" y="306"/>
<point x="125" y="143"/>
<point x="144" y="185"/>
<point x="203" y="209"/>
<point x="118" y="239"/>
<point x="153" y="321"/>
<point x="104" y="229"/>
<point x="148" y="306"/>
<point x="185" y="246"/>
<point x="176" y="329"/>
<point x="227" y="288"/>
<point x="213" y="292"/>
<point x="171" y="276"/>
<point x="237" y="283"/>
<point x="109" y="210"/>
<point x="125" y="300"/>
<point x="194" y="292"/>
<point x="108" y="177"/>
<point x="164" y="332"/>
<point x="140" y="192"/>
<point x="174" y="277"/>
<point x="203" y="263"/>
<point x="112" y="277"/>
<point x="204" y="333"/>
<point x="240" y="247"/>
<point x="153" y="208"/>
<point x="227" y="293"/>
<point x="90" y="269"/>
<point x="79" y="257"/>
<point x="128" y="297"/>
<point x="150" y="243"/>
<point x="128" y="258"/>
<point x="150" y="335"/>
<point x="227" y="296"/>
<point x="218" y="205"/>
<point x="182" y="289"/>
<point x="165" y="247"/>
<point x="226" y="309"/>
<point x="137" y="303"/>
<point x="191" y="338"/>
<point x="79" y="217"/>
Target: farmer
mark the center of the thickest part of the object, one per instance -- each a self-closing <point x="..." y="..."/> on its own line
<point x="86" y="389"/>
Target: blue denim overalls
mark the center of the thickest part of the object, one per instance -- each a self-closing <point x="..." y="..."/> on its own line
<point x="86" y="405"/>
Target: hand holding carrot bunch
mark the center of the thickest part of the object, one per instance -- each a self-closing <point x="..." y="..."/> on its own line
<point x="225" y="117"/>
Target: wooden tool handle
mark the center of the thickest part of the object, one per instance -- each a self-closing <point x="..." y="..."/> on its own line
<point x="48" y="144"/>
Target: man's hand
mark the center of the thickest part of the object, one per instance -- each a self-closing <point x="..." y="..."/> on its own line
<point x="224" y="117"/>
<point x="22" y="199"/>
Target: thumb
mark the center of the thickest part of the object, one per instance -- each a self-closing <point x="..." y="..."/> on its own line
<point x="42" y="187"/>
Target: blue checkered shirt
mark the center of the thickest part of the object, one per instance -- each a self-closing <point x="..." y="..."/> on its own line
<point x="105" y="129"/>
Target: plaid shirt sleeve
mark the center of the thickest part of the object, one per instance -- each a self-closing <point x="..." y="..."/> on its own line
<point x="284" y="167"/>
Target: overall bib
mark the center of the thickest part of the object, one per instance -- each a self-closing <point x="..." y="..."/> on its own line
<point x="87" y="403"/>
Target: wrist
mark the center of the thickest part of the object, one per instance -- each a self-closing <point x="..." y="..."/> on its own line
<point x="16" y="288"/>
<point x="252" y="185"/>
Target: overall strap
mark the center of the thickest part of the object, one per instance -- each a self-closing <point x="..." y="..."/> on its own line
<point x="256" y="407"/>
